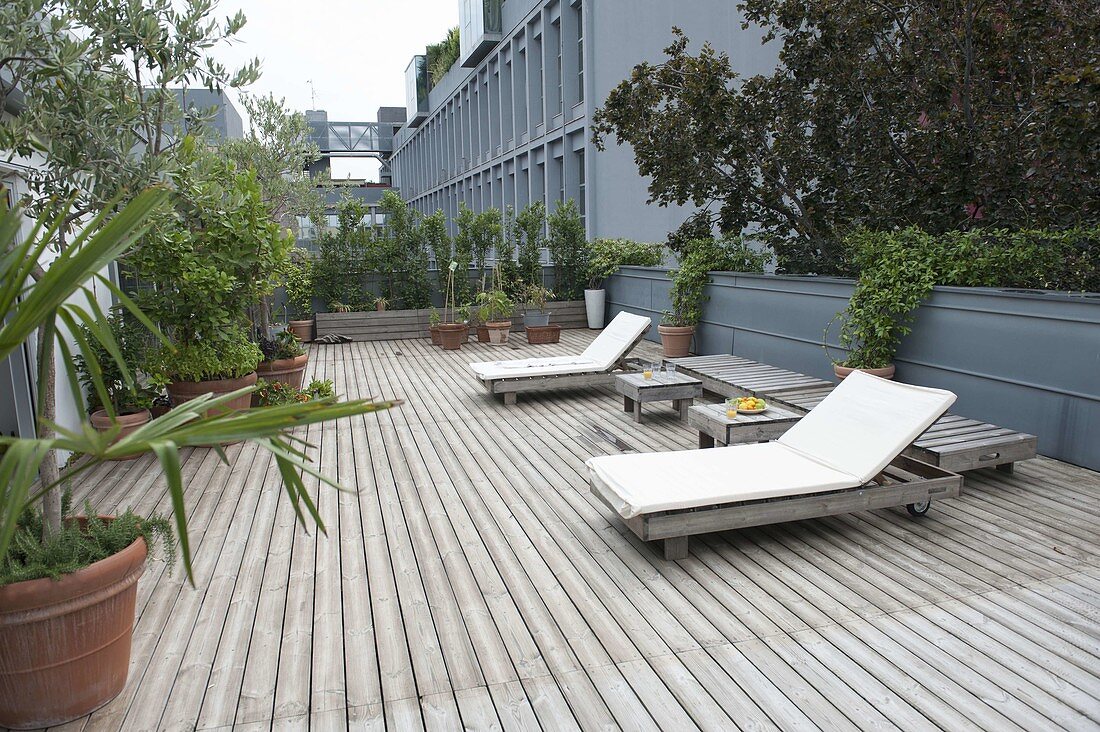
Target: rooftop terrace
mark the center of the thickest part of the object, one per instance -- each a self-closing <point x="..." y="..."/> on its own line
<point x="468" y="578"/>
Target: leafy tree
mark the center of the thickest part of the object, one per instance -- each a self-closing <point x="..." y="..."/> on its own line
<point x="531" y="236"/>
<point x="477" y="234"/>
<point x="568" y="250"/>
<point x="438" y="241"/>
<point x="409" y="261"/>
<point x="98" y="80"/>
<point x="278" y="148"/>
<point x="344" y="256"/>
<point x="958" y="115"/>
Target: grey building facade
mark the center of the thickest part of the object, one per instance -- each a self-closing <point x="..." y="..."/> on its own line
<point x="510" y="122"/>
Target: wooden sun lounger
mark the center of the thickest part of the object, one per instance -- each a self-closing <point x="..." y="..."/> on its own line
<point x="953" y="443"/>
<point x="842" y="457"/>
<point x="905" y="482"/>
<point x="510" y="388"/>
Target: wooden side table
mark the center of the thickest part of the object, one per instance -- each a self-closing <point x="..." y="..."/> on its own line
<point x="715" y="426"/>
<point x="681" y="390"/>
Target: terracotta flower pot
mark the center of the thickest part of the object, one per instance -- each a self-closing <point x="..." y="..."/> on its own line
<point x="465" y="332"/>
<point x="436" y="338"/>
<point x="482" y="333"/>
<point x="65" y="644"/>
<point x="184" y="391"/>
<point x="287" y="370"/>
<point x="451" y="336"/>
<point x="676" y="339"/>
<point x="303" y="329"/>
<point x="379" y="307"/>
<point x="538" y="334"/>
<point x="886" y="372"/>
<point x="128" y="422"/>
<point x="498" y="331"/>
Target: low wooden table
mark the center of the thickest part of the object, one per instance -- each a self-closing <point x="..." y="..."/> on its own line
<point x="715" y="426"/>
<point x="678" y="388"/>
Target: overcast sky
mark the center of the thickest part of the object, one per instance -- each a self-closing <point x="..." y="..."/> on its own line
<point x="354" y="51"/>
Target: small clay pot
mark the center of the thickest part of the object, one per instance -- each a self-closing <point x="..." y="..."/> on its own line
<point x="498" y="331"/>
<point x="127" y="421"/>
<point x="286" y="370"/>
<point x="302" y="328"/>
<point x="676" y="339"/>
<point x="886" y="372"/>
<point x="451" y="336"/>
<point x="482" y="333"/>
<point x="436" y="338"/>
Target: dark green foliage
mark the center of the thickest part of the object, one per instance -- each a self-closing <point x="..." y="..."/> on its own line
<point x="209" y="258"/>
<point x="277" y="393"/>
<point x="695" y="227"/>
<point x="703" y="256"/>
<point x="230" y="357"/>
<point x="124" y="392"/>
<point x="283" y="345"/>
<point x="945" y="116"/>
<point x="74" y="547"/>
<point x="607" y="255"/>
<point x="568" y="250"/>
<point x="406" y="256"/>
<point x="339" y="274"/>
<point x="530" y="238"/>
<point x="898" y="270"/>
<point x="433" y="229"/>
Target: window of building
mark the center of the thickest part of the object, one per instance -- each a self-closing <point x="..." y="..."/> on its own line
<point x="580" y="187"/>
<point x="537" y="89"/>
<point x="559" y="45"/>
<point x="578" y="21"/>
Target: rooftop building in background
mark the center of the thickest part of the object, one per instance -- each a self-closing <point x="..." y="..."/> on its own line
<point x="224" y="118"/>
<point x="510" y="122"/>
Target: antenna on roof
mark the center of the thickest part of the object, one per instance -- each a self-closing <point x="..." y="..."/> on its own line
<point x="312" y="93"/>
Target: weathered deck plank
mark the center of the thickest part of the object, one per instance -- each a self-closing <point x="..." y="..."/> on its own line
<point x="471" y="580"/>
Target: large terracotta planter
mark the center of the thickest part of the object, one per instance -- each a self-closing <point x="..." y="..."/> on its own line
<point x="128" y="422"/>
<point x="65" y="644"/>
<point x="451" y="336"/>
<point x="437" y="340"/>
<point x="303" y="329"/>
<point x="482" y="333"/>
<point x="286" y="370"/>
<point x="886" y="372"/>
<point x="498" y="331"/>
<point x="676" y="339"/>
<point x="184" y="391"/>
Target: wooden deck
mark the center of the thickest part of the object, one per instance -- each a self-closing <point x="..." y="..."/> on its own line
<point x="470" y="580"/>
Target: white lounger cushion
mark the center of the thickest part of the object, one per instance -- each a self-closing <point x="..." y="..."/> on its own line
<point x="608" y="348"/>
<point x="865" y="422"/>
<point x="842" y="443"/>
<point x="663" y="481"/>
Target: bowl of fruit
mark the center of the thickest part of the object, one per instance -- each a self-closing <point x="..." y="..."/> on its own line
<point x="748" y="405"/>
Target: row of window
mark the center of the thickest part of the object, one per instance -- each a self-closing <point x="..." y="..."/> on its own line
<point x="506" y="103"/>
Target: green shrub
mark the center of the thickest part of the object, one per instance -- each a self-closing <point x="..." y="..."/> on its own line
<point x="898" y="269"/>
<point x="607" y="255"/>
<point x="31" y="557"/>
<point x="568" y="250"/>
<point x="297" y="276"/>
<point x="228" y="358"/>
<point x="277" y="393"/>
<point x="123" y="391"/>
<point x="701" y="257"/>
<point x="530" y="237"/>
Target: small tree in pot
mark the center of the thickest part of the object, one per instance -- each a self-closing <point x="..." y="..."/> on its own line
<point x="536" y="313"/>
<point x="689" y="282"/>
<point x="496" y="307"/>
<point x="605" y="256"/>
<point x="297" y="276"/>
<point x="452" y="332"/>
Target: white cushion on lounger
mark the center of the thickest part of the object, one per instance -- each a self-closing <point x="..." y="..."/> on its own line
<point x="842" y="443"/>
<point x="615" y="340"/>
<point x="865" y="422"/>
<point x="663" y="481"/>
<point x="601" y="355"/>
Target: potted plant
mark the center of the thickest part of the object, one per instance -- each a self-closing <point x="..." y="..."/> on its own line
<point x="380" y="304"/>
<point x="434" y="319"/>
<point x="68" y="584"/>
<point x="277" y="393"/>
<point x="284" y="360"/>
<point x="897" y="270"/>
<point x="700" y="257"/>
<point x="451" y="332"/>
<point x="122" y="405"/>
<point x="536" y="314"/>
<point x="604" y="259"/>
<point x="298" y="285"/>
<point x="495" y="307"/>
<point x="203" y="367"/>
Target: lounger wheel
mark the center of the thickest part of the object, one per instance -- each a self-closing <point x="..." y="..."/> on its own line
<point x="919" y="509"/>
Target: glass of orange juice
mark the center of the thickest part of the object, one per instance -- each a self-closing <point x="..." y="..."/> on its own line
<point x="731" y="409"/>
<point x="647" y="373"/>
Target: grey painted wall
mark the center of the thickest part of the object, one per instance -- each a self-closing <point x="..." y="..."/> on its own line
<point x="1027" y="361"/>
